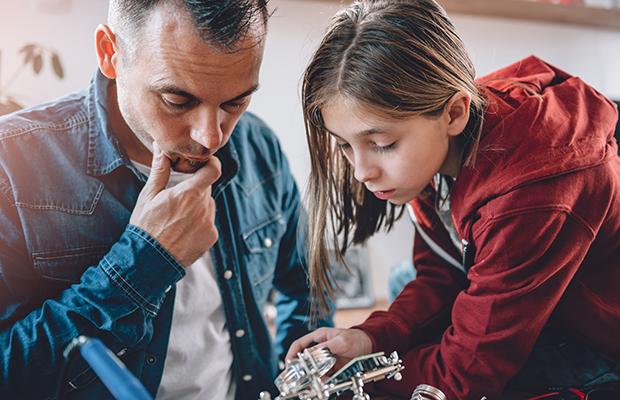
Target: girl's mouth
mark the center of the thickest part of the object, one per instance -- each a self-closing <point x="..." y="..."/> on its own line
<point x="384" y="194"/>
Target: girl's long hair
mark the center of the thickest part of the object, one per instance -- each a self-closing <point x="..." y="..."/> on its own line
<point x="399" y="58"/>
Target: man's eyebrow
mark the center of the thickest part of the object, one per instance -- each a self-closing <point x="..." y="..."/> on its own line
<point x="173" y="90"/>
<point x="165" y="88"/>
<point x="244" y="94"/>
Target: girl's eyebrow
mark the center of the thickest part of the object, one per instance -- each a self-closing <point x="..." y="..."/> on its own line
<point x="365" y="132"/>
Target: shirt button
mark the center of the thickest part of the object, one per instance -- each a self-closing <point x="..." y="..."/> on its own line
<point x="228" y="274"/>
<point x="240" y="333"/>
<point x="151" y="359"/>
<point x="247" y="378"/>
<point x="268" y="242"/>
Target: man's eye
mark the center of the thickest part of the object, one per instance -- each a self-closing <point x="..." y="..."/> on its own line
<point x="235" y="105"/>
<point x="176" y="102"/>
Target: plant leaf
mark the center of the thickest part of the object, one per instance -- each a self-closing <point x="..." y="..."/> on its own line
<point x="37" y="63"/>
<point x="28" y="52"/>
<point x="57" y="66"/>
<point x="8" y="106"/>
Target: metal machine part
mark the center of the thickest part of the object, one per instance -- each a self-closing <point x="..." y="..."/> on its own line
<point x="303" y="377"/>
<point x="427" y="392"/>
<point x="301" y="371"/>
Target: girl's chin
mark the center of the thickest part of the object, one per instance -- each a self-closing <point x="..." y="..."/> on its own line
<point x="403" y="198"/>
<point x="398" y="202"/>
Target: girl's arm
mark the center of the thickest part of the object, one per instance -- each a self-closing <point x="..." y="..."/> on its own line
<point x="525" y="261"/>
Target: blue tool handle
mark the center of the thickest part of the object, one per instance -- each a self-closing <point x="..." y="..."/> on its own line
<point x="115" y="376"/>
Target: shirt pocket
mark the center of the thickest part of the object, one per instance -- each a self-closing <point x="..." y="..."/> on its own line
<point x="67" y="265"/>
<point x="262" y="242"/>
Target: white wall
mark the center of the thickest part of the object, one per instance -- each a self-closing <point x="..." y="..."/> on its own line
<point x="69" y="32"/>
<point x="295" y="30"/>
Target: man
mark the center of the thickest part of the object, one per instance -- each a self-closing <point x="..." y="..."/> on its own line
<point x="171" y="272"/>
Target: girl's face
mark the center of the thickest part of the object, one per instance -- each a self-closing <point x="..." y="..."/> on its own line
<point x="394" y="158"/>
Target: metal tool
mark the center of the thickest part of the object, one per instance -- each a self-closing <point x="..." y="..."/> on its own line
<point x="304" y="378"/>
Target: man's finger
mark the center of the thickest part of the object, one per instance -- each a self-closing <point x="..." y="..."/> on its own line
<point x="204" y="177"/>
<point x="160" y="172"/>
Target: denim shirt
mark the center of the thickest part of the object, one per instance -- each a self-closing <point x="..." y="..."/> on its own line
<point x="71" y="264"/>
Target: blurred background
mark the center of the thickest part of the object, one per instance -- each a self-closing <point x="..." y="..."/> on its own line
<point x="47" y="50"/>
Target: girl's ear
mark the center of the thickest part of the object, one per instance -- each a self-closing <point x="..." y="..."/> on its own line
<point x="457" y="113"/>
<point x="105" y="44"/>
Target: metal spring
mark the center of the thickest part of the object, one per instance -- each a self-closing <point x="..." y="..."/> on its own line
<point x="427" y="392"/>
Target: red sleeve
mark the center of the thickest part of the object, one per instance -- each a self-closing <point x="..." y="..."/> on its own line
<point x="524" y="264"/>
<point x="422" y="310"/>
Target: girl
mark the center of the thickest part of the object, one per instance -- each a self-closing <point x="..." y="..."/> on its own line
<point x="512" y="182"/>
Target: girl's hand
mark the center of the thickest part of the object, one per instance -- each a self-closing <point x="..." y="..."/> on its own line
<point x="343" y="343"/>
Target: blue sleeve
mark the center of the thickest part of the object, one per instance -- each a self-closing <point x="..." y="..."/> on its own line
<point x="291" y="278"/>
<point x="115" y="300"/>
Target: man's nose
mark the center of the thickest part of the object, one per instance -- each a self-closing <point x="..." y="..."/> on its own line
<point x="207" y="130"/>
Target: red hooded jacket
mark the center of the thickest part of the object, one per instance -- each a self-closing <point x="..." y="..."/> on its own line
<point x="539" y="211"/>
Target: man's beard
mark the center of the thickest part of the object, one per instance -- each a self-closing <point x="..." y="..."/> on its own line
<point x="186" y="166"/>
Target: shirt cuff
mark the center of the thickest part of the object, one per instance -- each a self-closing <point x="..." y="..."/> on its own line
<point x="142" y="268"/>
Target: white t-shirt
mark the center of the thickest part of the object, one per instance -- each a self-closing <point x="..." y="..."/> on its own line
<point x="199" y="358"/>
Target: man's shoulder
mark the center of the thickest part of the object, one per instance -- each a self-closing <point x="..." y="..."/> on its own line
<point x="62" y="114"/>
<point x="38" y="144"/>
<point x="261" y="159"/>
<point x="253" y="138"/>
<point x="252" y="128"/>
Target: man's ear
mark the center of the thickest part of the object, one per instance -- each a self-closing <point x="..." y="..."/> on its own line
<point x="107" y="56"/>
<point x="457" y="113"/>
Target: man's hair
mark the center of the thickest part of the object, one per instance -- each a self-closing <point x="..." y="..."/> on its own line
<point x="220" y="22"/>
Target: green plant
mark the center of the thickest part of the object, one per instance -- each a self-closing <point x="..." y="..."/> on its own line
<point x="34" y="56"/>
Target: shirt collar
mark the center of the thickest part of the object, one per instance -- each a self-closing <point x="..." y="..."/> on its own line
<point x="104" y="154"/>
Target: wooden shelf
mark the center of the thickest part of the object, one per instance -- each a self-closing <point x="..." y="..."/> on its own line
<point x="536" y="11"/>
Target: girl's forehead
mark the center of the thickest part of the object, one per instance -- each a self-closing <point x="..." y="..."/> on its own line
<point x="353" y="108"/>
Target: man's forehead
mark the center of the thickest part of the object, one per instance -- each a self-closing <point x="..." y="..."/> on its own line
<point x="211" y="76"/>
<point x="172" y="56"/>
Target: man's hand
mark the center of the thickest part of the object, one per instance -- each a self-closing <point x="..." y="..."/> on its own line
<point x="343" y="343"/>
<point x="181" y="218"/>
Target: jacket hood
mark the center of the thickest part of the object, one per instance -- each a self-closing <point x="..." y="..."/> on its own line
<point x="540" y="122"/>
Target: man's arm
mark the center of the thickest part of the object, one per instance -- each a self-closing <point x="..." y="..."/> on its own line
<point x="115" y="300"/>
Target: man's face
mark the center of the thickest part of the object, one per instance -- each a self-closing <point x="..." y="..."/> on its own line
<point x="176" y="89"/>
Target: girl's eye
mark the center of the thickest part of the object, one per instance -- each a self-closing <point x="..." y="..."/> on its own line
<point x="384" y="149"/>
